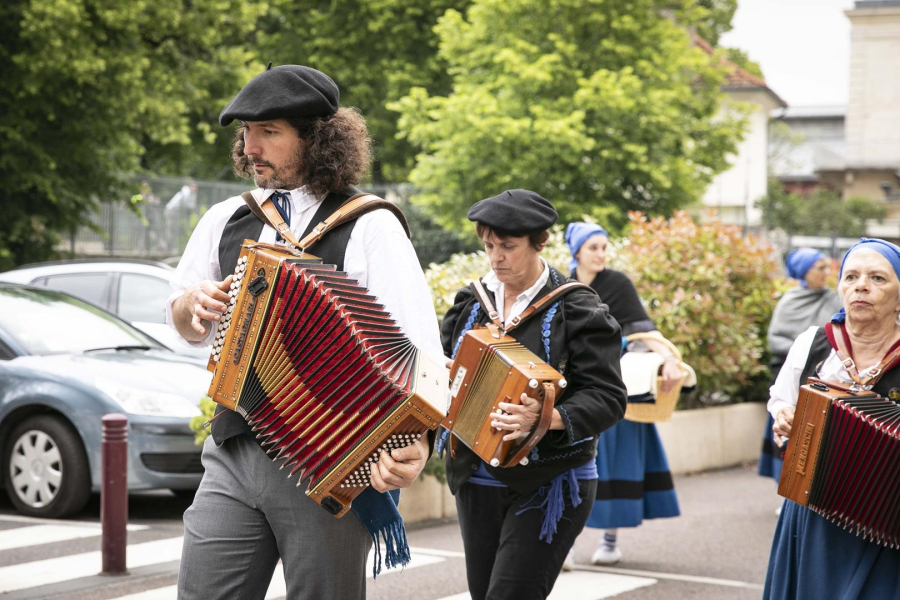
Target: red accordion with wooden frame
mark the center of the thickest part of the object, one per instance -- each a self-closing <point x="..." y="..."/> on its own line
<point x="320" y="371"/>
<point x="843" y="459"/>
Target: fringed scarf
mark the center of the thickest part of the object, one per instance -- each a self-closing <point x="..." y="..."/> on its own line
<point x="379" y="515"/>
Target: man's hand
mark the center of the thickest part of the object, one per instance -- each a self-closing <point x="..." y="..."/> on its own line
<point x="202" y="303"/>
<point x="518" y="418"/>
<point x="782" y="426"/>
<point x="399" y="468"/>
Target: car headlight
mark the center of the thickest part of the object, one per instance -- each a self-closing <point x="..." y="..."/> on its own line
<point x="143" y="402"/>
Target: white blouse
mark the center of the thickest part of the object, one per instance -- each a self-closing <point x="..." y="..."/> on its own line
<point x="786" y="389"/>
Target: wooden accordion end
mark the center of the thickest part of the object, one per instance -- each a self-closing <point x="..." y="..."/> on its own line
<point x="490" y="368"/>
<point x="320" y="371"/>
<point x="843" y="460"/>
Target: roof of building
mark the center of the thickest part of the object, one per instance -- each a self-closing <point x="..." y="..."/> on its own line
<point x="876" y="3"/>
<point x="738" y="77"/>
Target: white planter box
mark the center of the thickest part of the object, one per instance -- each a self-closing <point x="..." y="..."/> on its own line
<point x="713" y="438"/>
<point x="427" y="499"/>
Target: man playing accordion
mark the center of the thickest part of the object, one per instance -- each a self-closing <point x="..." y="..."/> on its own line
<point x="304" y="152"/>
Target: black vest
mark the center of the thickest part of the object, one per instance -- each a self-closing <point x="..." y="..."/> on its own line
<point x="244" y="225"/>
<point x="888" y="386"/>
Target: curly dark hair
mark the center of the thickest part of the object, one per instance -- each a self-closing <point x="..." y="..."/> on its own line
<point x="336" y="151"/>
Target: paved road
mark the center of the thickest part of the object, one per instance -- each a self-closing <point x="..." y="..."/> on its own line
<point x="716" y="551"/>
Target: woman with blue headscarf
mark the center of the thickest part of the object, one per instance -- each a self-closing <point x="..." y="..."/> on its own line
<point x="634" y="479"/>
<point x="810" y="303"/>
<point x="811" y="557"/>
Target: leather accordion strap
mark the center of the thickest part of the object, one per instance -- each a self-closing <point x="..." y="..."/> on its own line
<point x="551" y="296"/>
<point x="486" y="303"/>
<point x="543" y="425"/>
<point x="355" y="206"/>
<point x="268" y="214"/>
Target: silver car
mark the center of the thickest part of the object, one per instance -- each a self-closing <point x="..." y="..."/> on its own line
<point x="65" y="363"/>
<point x="136" y="290"/>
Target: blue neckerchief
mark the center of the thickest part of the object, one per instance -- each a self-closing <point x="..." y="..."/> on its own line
<point x="379" y="515"/>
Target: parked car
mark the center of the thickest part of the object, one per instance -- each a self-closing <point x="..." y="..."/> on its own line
<point x="65" y="363"/>
<point x="136" y="290"/>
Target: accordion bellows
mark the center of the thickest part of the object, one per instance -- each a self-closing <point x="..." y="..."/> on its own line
<point x="843" y="460"/>
<point x="323" y="375"/>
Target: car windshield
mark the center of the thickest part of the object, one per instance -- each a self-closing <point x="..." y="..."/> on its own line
<point x="48" y="322"/>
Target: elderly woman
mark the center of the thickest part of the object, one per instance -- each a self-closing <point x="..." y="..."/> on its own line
<point x="811" y="557"/>
<point x="519" y="523"/>
<point x="634" y="479"/>
<point x="810" y="303"/>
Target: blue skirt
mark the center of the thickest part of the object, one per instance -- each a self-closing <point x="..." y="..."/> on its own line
<point x="770" y="461"/>
<point x="814" y="559"/>
<point x="634" y="482"/>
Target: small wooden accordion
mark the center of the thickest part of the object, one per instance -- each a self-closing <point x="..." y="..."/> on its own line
<point x="843" y="460"/>
<point x="320" y="371"/>
<point x="491" y="367"/>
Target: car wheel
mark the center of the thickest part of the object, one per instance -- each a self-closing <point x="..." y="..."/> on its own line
<point x="45" y="468"/>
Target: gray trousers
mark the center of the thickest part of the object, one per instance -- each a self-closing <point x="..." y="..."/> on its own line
<point x="246" y="515"/>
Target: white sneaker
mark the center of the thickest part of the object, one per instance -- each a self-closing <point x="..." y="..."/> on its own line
<point x="604" y="555"/>
<point x="569" y="563"/>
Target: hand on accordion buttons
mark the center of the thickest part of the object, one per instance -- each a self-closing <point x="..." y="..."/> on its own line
<point x="518" y="418"/>
<point x="399" y="468"/>
<point x="207" y="301"/>
<point x="782" y="426"/>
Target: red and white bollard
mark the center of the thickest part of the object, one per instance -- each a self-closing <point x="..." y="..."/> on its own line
<point x="114" y="493"/>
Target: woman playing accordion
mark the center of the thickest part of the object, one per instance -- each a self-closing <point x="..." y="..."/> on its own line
<point x="518" y="523"/>
<point x="812" y="557"/>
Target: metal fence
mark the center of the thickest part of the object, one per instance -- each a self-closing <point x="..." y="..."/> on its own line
<point x="162" y="224"/>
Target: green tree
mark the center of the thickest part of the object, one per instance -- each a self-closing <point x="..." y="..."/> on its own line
<point x="593" y="103"/>
<point x="713" y="18"/>
<point x="821" y="212"/>
<point x="94" y="91"/>
<point x="375" y="50"/>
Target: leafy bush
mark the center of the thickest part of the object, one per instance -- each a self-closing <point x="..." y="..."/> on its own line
<point x="711" y="291"/>
<point x="207" y="410"/>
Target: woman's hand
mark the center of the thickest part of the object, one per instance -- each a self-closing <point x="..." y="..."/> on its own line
<point x="782" y="427"/>
<point x="671" y="373"/>
<point x="517" y="418"/>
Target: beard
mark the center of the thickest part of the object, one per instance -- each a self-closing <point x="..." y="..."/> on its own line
<point x="284" y="177"/>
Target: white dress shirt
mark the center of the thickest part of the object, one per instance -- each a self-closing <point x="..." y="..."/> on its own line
<point x="492" y="283"/>
<point x="786" y="389"/>
<point x="379" y="257"/>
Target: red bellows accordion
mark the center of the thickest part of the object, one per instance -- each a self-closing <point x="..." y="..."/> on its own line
<point x="320" y="371"/>
<point x="843" y="460"/>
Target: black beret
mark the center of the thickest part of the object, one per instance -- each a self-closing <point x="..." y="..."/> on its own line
<point x="514" y="211"/>
<point x="284" y="92"/>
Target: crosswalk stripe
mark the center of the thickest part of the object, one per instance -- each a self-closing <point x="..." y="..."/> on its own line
<point x="64" y="568"/>
<point x="64" y="522"/>
<point x="581" y="585"/>
<point x="278" y="588"/>
<point x="43" y="534"/>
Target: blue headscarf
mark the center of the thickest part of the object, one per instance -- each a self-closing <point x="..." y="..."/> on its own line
<point x="888" y="250"/>
<point x="577" y="234"/>
<point x="800" y="261"/>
